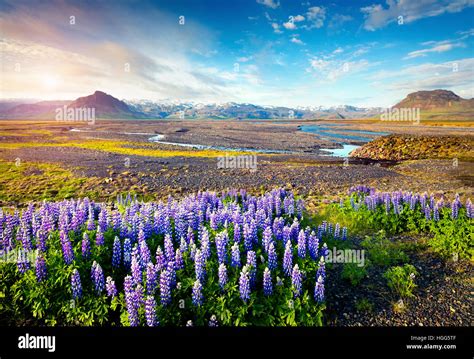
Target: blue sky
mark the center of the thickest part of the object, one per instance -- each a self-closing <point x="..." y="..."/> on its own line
<point x="270" y="52"/>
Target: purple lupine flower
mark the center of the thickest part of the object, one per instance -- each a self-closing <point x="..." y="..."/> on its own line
<point x="267" y="237"/>
<point x="454" y="210"/>
<point x="222" y="272"/>
<point x="302" y="244"/>
<point x="76" y="284"/>
<point x="127" y="252"/>
<point x="151" y="278"/>
<point x="179" y="263"/>
<point x="321" y="269"/>
<point x="296" y="279"/>
<point x="150" y="313"/>
<point x="236" y="233"/>
<point x="145" y="256"/>
<point x="235" y="255"/>
<point x="313" y="244"/>
<point x="252" y="266"/>
<point x="288" y="259"/>
<point x="131" y="301"/>
<point x="160" y="259"/>
<point x="40" y="268"/>
<point x="165" y="288"/>
<point x="199" y="266"/>
<point x="319" y="290"/>
<point x="98" y="279"/>
<point x="136" y="270"/>
<point x="344" y="233"/>
<point x="267" y="282"/>
<point x="169" y="249"/>
<point x="213" y="321"/>
<point x="197" y="293"/>
<point x="427" y="212"/>
<point x="436" y="213"/>
<point x="110" y="287"/>
<point x="337" y="230"/>
<point x="116" y="253"/>
<point x="85" y="246"/>
<point x="99" y="237"/>
<point x="324" y="251"/>
<point x="221" y="244"/>
<point x="272" y="257"/>
<point x="68" y="253"/>
<point x="244" y="284"/>
<point x="170" y="267"/>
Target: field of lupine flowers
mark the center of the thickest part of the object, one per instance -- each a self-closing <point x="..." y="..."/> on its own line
<point x="229" y="259"/>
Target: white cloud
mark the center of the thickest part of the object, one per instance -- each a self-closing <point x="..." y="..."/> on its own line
<point x="436" y="47"/>
<point x="378" y="16"/>
<point x="338" y="51"/>
<point x="270" y="3"/>
<point x="316" y="16"/>
<point x="244" y="59"/>
<point x="276" y="28"/>
<point x="298" y="18"/>
<point x="295" y="40"/>
<point x="289" y="25"/>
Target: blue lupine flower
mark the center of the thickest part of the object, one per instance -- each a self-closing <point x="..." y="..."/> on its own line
<point x="169" y="249"/>
<point x="127" y="252"/>
<point x="110" y="287"/>
<point x="151" y="278"/>
<point x="40" y="268"/>
<point x="244" y="284"/>
<point x="160" y="259"/>
<point x="235" y="255"/>
<point x="222" y="272"/>
<point x="252" y="266"/>
<point x="136" y="270"/>
<point x="296" y="280"/>
<point x="302" y="244"/>
<point x="76" y="284"/>
<point x="99" y="237"/>
<point x="213" y="321"/>
<point x="68" y="253"/>
<point x="99" y="279"/>
<point x="165" y="288"/>
<point x="179" y="263"/>
<point x="267" y="282"/>
<point x="344" y="233"/>
<point x="319" y="290"/>
<point x="221" y="244"/>
<point x="288" y="259"/>
<point x="272" y="257"/>
<point x="131" y="301"/>
<point x="116" y="253"/>
<point x="170" y="267"/>
<point x="324" y="251"/>
<point x="197" y="293"/>
<point x="145" y="256"/>
<point x="321" y="269"/>
<point x="337" y="230"/>
<point x="150" y="313"/>
<point x="436" y="213"/>
<point x="199" y="266"/>
<point x="85" y="246"/>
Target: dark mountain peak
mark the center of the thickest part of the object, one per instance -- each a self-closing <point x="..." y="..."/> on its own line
<point x="432" y="99"/>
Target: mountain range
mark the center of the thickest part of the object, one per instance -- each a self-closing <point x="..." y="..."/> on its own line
<point x="107" y="107"/>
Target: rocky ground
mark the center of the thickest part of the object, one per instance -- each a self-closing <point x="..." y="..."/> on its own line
<point x="443" y="297"/>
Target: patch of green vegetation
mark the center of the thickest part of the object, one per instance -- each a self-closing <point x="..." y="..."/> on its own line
<point x="124" y="148"/>
<point x="382" y="251"/>
<point x="37" y="181"/>
<point x="401" y="280"/>
<point x="364" y="305"/>
<point x="354" y="273"/>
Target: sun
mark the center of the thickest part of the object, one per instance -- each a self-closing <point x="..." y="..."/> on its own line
<point x="49" y="81"/>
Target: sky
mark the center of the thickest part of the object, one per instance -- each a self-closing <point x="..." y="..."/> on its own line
<point x="266" y="52"/>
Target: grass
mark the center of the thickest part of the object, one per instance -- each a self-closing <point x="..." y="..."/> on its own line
<point x="37" y="181"/>
<point x="124" y="148"/>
